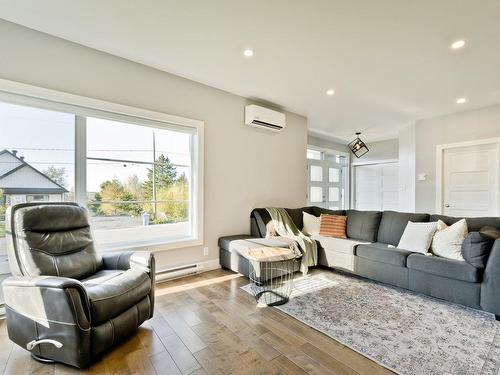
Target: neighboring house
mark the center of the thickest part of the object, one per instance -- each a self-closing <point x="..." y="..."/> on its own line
<point x="21" y="183"/>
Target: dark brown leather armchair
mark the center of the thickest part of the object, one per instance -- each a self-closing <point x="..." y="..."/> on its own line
<point x="65" y="302"/>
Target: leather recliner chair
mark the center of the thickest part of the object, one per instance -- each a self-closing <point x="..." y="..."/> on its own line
<point x="65" y="302"/>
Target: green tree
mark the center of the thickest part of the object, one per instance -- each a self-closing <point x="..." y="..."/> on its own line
<point x="3" y="205"/>
<point x="58" y="175"/>
<point x="165" y="175"/>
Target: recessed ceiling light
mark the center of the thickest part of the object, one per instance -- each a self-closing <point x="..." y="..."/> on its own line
<point x="461" y="100"/>
<point x="457" y="44"/>
<point x="248" y="52"/>
<point x="330" y="92"/>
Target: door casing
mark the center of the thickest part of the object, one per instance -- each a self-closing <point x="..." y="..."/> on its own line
<point x="440" y="164"/>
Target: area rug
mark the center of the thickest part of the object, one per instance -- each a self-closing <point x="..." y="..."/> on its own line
<point x="404" y="331"/>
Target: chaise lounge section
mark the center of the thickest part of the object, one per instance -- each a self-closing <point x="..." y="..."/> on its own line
<point x="370" y="250"/>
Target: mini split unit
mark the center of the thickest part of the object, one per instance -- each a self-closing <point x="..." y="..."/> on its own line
<point x="265" y="118"/>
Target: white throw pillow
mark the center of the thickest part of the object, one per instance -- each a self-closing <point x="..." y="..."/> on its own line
<point x="417" y="237"/>
<point x="311" y="224"/>
<point x="447" y="241"/>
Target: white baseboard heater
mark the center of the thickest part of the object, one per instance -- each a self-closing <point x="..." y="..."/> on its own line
<point x="173" y="273"/>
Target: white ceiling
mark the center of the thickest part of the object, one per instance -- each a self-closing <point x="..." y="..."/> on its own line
<point x="389" y="61"/>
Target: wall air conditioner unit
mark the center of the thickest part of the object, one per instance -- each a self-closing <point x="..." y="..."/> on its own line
<point x="264" y="118"/>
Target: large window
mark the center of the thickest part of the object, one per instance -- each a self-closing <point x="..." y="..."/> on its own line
<point x="139" y="177"/>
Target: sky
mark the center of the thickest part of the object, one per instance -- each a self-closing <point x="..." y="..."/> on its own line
<point x="46" y="138"/>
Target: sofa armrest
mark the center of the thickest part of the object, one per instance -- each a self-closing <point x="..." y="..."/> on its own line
<point x="46" y="299"/>
<point x="490" y="287"/>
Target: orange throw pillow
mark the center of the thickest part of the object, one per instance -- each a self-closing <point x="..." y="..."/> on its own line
<point x="333" y="226"/>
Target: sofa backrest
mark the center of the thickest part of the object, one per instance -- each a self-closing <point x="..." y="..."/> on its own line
<point x="363" y="225"/>
<point x="386" y="227"/>
<point x="474" y="224"/>
<point x="394" y="223"/>
<point x="50" y="239"/>
<point x="261" y="223"/>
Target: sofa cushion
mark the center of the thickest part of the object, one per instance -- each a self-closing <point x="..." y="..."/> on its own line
<point x="113" y="291"/>
<point x="476" y="249"/>
<point x="394" y="223"/>
<point x="242" y="243"/>
<point x="450" y="268"/>
<point x="318" y="211"/>
<point x="381" y="252"/>
<point x="339" y="245"/>
<point x="363" y="225"/>
<point x="264" y="222"/>
<point x="490" y="232"/>
<point x="474" y="224"/>
<point x="225" y="242"/>
<point x="296" y="215"/>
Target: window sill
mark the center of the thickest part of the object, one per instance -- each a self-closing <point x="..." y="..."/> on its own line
<point x="152" y="246"/>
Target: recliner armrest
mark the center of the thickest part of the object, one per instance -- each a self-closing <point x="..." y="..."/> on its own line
<point x="143" y="260"/>
<point x="43" y="282"/>
<point x="129" y="259"/>
<point x="48" y="299"/>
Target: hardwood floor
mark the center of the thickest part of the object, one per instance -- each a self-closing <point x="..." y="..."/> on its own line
<point x="205" y="324"/>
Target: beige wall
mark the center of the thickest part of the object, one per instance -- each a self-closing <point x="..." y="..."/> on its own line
<point x="459" y="127"/>
<point x="244" y="167"/>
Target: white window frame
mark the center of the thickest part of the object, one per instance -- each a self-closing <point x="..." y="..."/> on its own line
<point x="33" y="96"/>
<point x="347" y="155"/>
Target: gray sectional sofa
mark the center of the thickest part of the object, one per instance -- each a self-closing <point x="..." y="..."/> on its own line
<point x="370" y="251"/>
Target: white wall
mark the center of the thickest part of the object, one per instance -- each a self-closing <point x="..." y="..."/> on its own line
<point x="407" y="149"/>
<point x="379" y="151"/>
<point x="459" y="127"/>
<point x="326" y="143"/>
<point x="244" y="167"/>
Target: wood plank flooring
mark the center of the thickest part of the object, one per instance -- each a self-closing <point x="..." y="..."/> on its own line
<point x="205" y="324"/>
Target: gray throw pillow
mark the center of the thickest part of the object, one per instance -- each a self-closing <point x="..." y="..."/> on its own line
<point x="476" y="249"/>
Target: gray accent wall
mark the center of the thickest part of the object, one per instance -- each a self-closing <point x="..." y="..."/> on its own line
<point x="244" y="167"/>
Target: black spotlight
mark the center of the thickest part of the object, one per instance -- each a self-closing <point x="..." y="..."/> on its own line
<point x="358" y="147"/>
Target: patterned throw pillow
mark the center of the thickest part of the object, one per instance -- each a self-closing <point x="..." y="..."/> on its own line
<point x="333" y="226"/>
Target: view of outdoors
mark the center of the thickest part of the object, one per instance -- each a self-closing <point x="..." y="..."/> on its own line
<point x="124" y="187"/>
<point x="138" y="180"/>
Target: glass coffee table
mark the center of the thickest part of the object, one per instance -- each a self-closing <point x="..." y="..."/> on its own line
<point x="271" y="274"/>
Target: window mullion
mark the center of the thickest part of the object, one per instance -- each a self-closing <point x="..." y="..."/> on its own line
<point x="81" y="160"/>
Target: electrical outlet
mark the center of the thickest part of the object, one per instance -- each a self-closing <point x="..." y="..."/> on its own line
<point x="205" y="251"/>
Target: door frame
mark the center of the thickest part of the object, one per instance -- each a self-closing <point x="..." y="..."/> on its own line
<point x="439" y="167"/>
<point x="364" y="164"/>
<point x="347" y="155"/>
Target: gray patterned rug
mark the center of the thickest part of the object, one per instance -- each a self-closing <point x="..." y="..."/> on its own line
<point x="406" y="332"/>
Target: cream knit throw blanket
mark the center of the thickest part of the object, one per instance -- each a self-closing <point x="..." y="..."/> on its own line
<point x="285" y="227"/>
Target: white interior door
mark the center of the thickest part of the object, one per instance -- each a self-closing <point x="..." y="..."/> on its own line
<point x="367" y="188"/>
<point x="470" y="181"/>
<point x="326" y="181"/>
<point x="376" y="187"/>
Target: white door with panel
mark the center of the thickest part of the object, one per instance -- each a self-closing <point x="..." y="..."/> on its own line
<point x="376" y="187"/>
<point x="326" y="182"/>
<point x="470" y="181"/>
